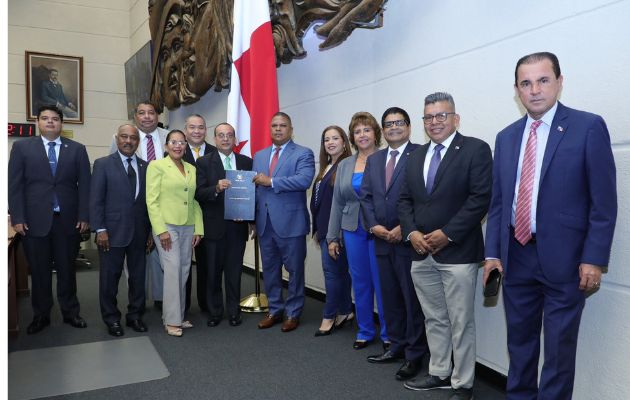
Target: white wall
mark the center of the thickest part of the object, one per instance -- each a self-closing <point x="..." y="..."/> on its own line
<point x="470" y="49"/>
<point x="95" y="30"/>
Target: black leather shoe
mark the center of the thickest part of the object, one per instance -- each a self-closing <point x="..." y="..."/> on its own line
<point x="75" y="322"/>
<point x="115" y="329"/>
<point x="387" y="357"/>
<point x="214" y="321"/>
<point x="361" y="344"/>
<point x="428" y="382"/>
<point x="461" y="394"/>
<point x="408" y="370"/>
<point x="137" y="325"/>
<point x="328" y="331"/>
<point x="38" y="324"/>
<point x="386" y="346"/>
<point x="235" y="320"/>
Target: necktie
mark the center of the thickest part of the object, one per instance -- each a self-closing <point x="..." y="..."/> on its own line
<point x="227" y="163"/>
<point x="150" y="149"/>
<point x="523" y="216"/>
<point x="389" y="168"/>
<point x="52" y="160"/>
<point x="131" y="175"/>
<point x="433" y="167"/>
<point x="196" y="151"/>
<point x="274" y="160"/>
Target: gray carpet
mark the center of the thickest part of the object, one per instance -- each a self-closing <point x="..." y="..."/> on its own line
<point x="236" y="362"/>
<point x="79" y="368"/>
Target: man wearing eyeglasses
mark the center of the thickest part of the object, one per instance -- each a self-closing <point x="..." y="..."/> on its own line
<point x="444" y="198"/>
<point x="550" y="226"/>
<point x="224" y="241"/>
<point x="380" y="188"/>
<point x="195" y="132"/>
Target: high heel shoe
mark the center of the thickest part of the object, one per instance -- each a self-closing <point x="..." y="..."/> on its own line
<point x="347" y="319"/>
<point x="320" y="332"/>
<point x="173" y="330"/>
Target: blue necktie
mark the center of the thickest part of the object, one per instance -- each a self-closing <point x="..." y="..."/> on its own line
<point x="52" y="160"/>
<point x="433" y="167"/>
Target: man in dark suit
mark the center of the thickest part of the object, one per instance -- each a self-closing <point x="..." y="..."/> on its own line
<point x="550" y="226"/>
<point x="195" y="131"/>
<point x="49" y="186"/>
<point x="52" y="94"/>
<point x="118" y="214"/>
<point x="224" y="241"/>
<point x="380" y="189"/>
<point x="444" y="198"/>
<point x="152" y="147"/>
<point x="285" y="172"/>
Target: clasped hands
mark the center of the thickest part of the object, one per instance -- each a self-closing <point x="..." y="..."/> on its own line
<point x="430" y="243"/>
<point x="262" y="179"/>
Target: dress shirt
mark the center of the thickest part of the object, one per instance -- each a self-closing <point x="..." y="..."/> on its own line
<point x="273" y="151"/>
<point x="427" y="159"/>
<point x="157" y="145"/>
<point x="57" y="147"/>
<point x="232" y="158"/>
<point x="202" y="150"/>
<point x="134" y="165"/>
<point x="400" y="150"/>
<point x="542" y="135"/>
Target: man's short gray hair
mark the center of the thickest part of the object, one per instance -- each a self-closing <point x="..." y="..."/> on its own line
<point x="439" y="96"/>
<point x="195" y="115"/>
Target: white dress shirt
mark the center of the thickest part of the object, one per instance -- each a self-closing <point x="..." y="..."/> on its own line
<point x="427" y="159"/>
<point x="155" y="137"/>
<point x="542" y="135"/>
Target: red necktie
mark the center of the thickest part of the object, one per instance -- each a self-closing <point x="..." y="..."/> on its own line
<point x="150" y="149"/>
<point x="523" y="217"/>
<point x="274" y="160"/>
<point x="389" y="168"/>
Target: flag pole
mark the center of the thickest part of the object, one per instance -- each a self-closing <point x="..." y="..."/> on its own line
<point x="256" y="302"/>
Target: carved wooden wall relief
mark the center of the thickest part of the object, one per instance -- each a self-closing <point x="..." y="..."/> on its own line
<point x="192" y="39"/>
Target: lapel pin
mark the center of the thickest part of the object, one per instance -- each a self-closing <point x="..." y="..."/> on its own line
<point x="65" y="145"/>
<point x="560" y="129"/>
<point x="456" y="147"/>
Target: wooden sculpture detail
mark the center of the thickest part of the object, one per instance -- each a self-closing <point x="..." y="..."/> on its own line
<point x="192" y="39"/>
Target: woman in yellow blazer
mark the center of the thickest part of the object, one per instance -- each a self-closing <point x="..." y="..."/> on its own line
<point x="177" y="225"/>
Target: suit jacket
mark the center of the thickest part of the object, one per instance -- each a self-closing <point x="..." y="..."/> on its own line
<point x="344" y="212"/>
<point x="378" y="203"/>
<point x="209" y="171"/>
<point x="171" y="196"/>
<point x="458" y="202"/>
<point x="285" y="202"/>
<point x="32" y="185"/>
<point x="113" y="147"/>
<point x="189" y="157"/>
<point x="114" y="205"/>
<point x="52" y="94"/>
<point x="321" y="203"/>
<point x="577" y="195"/>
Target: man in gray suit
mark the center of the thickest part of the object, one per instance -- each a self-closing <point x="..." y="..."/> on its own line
<point x="118" y="214"/>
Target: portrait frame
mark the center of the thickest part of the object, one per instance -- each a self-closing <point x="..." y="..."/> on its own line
<point x="44" y="87"/>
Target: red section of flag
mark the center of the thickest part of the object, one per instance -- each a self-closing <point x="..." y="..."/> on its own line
<point x="259" y="87"/>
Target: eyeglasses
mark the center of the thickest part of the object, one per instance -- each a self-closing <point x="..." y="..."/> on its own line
<point x="225" y="136"/>
<point x="389" y="124"/>
<point x="439" y="117"/>
<point x="177" y="142"/>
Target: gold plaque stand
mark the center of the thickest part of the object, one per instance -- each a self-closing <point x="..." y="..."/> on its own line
<point x="256" y="302"/>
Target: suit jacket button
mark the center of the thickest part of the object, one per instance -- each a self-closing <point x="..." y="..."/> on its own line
<point x="185" y="189"/>
<point x="185" y="203"/>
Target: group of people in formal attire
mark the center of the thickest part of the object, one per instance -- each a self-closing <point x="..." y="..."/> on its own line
<point x="401" y="225"/>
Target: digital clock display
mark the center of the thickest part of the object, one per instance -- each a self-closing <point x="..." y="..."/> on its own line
<point x="21" y="130"/>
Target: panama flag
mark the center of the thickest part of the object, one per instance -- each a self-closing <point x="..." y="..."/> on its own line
<point x="253" y="97"/>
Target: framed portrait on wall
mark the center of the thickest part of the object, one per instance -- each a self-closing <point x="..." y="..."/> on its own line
<point x="53" y="79"/>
